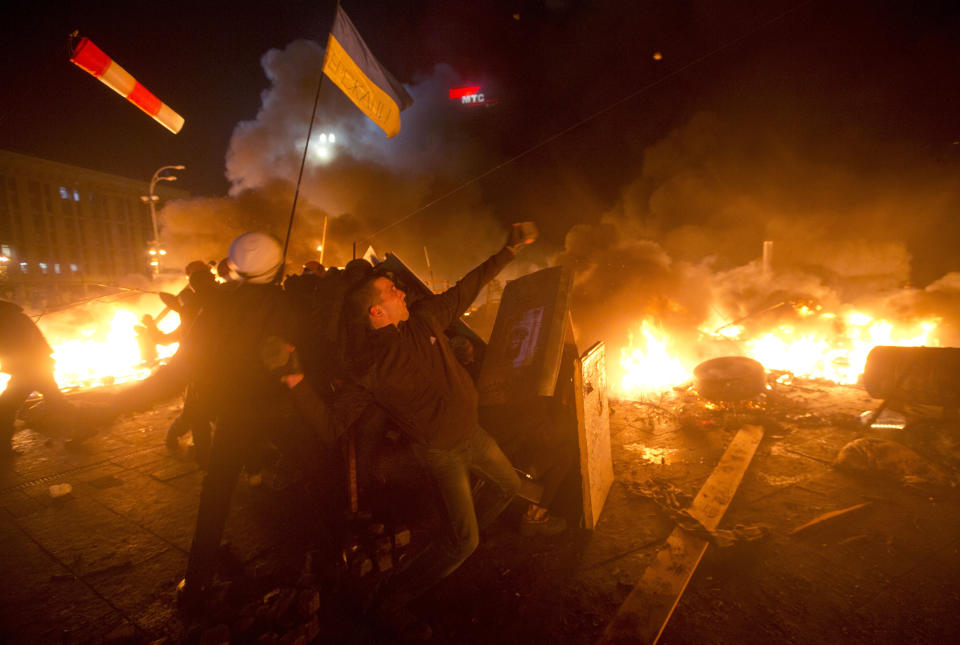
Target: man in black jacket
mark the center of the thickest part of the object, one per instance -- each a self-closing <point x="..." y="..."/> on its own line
<point x="25" y="356"/>
<point x="405" y="361"/>
<point x="222" y="355"/>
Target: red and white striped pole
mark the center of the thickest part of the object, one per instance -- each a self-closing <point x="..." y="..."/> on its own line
<point x="91" y="58"/>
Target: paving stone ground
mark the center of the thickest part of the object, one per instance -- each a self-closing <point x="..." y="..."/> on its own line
<point x="105" y="558"/>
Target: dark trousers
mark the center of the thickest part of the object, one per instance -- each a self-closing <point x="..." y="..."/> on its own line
<point x="451" y="470"/>
<point x="194" y="418"/>
<point x="228" y="453"/>
<point x="19" y="387"/>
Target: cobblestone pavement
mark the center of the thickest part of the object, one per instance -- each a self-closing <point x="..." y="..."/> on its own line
<point x="101" y="563"/>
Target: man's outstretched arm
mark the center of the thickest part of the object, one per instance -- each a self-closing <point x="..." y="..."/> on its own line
<point x="452" y="303"/>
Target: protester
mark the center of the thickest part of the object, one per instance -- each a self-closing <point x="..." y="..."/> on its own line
<point x="25" y="356"/>
<point x="313" y="267"/>
<point x="195" y="418"/>
<point x="147" y="339"/>
<point x="404" y="359"/>
<point x="222" y="355"/>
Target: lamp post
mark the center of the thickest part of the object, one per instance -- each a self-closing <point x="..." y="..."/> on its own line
<point x="155" y="251"/>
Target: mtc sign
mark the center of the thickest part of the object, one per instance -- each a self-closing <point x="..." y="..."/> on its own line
<point x="469" y="95"/>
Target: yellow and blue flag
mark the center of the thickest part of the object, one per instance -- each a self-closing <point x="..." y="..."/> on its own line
<point x="350" y="64"/>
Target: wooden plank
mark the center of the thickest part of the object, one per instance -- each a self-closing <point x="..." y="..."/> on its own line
<point x="593" y="430"/>
<point x="826" y="517"/>
<point x="644" y="614"/>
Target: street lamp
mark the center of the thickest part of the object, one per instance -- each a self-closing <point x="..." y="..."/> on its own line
<point x="155" y="251"/>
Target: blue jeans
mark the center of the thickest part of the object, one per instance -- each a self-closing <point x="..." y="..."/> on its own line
<point x="451" y="469"/>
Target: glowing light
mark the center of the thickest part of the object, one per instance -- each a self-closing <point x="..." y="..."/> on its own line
<point x="460" y="92"/>
<point x="647" y="364"/>
<point x="832" y="354"/>
<point x="322" y="148"/>
<point x="103" y="353"/>
<point x="731" y="331"/>
<point x="106" y="353"/>
<point x="825" y="345"/>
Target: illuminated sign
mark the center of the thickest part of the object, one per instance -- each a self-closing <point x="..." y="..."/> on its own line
<point x="460" y="92"/>
<point x="470" y="95"/>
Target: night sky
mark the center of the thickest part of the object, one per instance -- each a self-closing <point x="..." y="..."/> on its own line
<point x="808" y="111"/>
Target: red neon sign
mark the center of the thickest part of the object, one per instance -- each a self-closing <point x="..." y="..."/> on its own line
<point x="460" y="92"/>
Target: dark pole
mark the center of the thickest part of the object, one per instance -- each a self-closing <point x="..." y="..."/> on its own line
<point x="306" y="146"/>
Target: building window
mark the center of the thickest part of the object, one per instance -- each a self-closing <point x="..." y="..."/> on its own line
<point x="56" y="268"/>
<point x="23" y="267"/>
<point x="74" y="268"/>
<point x="76" y="195"/>
<point x="43" y="266"/>
<point x="64" y="193"/>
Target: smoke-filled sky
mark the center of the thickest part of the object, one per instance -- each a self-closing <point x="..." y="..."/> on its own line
<point x="828" y="127"/>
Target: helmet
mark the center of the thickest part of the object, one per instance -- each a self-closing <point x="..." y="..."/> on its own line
<point x="356" y="270"/>
<point x="197" y="265"/>
<point x="256" y="257"/>
<point x="225" y="271"/>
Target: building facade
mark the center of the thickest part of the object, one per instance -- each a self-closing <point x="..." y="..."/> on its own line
<point x="68" y="232"/>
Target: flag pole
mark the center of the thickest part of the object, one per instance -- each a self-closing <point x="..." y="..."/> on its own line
<point x="323" y="239"/>
<point x="306" y="146"/>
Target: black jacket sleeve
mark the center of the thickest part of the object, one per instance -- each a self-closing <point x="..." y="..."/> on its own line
<point x="446" y="307"/>
<point x="314" y="411"/>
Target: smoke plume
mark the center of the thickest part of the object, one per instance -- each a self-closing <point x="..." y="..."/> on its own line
<point x="683" y="243"/>
<point x="360" y="183"/>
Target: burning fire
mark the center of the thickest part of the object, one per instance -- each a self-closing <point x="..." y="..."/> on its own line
<point x="818" y="344"/>
<point x="106" y="354"/>
<point x="648" y="365"/>
<point x="103" y="353"/>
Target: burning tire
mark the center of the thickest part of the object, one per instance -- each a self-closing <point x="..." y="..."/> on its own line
<point x="730" y="378"/>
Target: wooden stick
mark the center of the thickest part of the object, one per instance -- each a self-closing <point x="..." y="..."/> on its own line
<point x="826" y="517"/>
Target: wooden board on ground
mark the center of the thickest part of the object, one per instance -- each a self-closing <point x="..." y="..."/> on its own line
<point x="644" y="614"/>
<point x="593" y="429"/>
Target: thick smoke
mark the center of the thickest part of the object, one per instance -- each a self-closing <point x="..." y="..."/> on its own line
<point x="684" y="242"/>
<point x="855" y="219"/>
<point x="362" y="183"/>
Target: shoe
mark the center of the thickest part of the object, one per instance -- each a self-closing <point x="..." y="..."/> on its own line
<point x="548" y="525"/>
<point x="405" y="625"/>
<point x="174" y="432"/>
<point x="191" y="600"/>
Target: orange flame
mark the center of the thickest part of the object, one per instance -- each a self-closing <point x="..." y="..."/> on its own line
<point x="821" y="345"/>
<point x="104" y="353"/>
<point x="648" y="365"/>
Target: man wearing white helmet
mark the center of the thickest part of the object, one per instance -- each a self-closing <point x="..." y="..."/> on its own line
<point x="222" y="355"/>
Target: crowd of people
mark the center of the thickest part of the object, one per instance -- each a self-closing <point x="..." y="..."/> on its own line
<point x="329" y="352"/>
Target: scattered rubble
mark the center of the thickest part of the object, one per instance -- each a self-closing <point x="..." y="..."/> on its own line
<point x="872" y="456"/>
